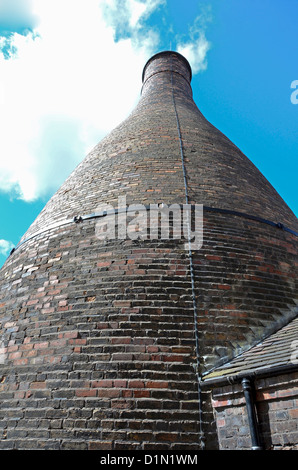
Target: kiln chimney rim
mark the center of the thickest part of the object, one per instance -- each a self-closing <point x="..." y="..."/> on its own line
<point x="167" y="53"/>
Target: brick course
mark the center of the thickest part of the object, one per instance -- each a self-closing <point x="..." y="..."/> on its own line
<point x="276" y="401"/>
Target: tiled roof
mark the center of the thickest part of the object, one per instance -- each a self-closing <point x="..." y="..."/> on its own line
<point x="280" y="350"/>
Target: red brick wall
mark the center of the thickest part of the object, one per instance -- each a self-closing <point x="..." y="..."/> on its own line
<point x="99" y="345"/>
<point x="277" y="410"/>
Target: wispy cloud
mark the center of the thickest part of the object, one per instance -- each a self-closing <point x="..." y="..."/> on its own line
<point x="196" y="52"/>
<point x="5" y="247"/>
<point x="196" y="46"/>
<point x="128" y="16"/>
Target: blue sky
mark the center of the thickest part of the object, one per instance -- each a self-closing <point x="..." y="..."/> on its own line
<point x="70" y="71"/>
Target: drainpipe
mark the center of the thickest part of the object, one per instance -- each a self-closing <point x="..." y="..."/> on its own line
<point x="251" y="412"/>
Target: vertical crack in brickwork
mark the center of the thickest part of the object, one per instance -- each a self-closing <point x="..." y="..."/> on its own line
<point x="192" y="276"/>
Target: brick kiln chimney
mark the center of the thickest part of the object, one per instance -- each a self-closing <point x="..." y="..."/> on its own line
<point x="104" y="340"/>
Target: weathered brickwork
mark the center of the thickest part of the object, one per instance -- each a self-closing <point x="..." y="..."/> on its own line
<point x="98" y="337"/>
<point x="141" y="160"/>
<point x="246" y="277"/>
<point x="100" y="354"/>
<point x="276" y="401"/>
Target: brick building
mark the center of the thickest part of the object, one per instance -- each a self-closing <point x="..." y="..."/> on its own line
<point x="133" y="341"/>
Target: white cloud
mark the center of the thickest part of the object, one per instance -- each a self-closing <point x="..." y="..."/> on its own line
<point x="128" y="15"/>
<point x="5" y="247"/>
<point x="70" y="71"/>
<point x="196" y="52"/>
<point x="196" y="46"/>
<point x="65" y="84"/>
